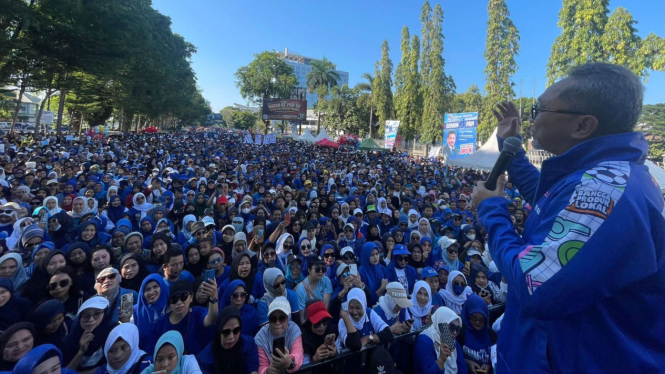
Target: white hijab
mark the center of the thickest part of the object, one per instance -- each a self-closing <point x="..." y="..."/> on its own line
<point x="359" y="295"/>
<point x="443" y="315"/>
<point x="143" y="208"/>
<point x="420" y="311"/>
<point x="129" y="333"/>
<point x="282" y="255"/>
<point x="455" y="302"/>
<point x="55" y="210"/>
<point x="16" y="234"/>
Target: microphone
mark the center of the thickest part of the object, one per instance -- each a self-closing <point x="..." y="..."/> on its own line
<point x="511" y="146"/>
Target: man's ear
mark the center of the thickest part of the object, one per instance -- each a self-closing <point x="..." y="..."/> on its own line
<point x="584" y="128"/>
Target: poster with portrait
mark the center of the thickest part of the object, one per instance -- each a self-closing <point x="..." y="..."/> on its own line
<point x="459" y="134"/>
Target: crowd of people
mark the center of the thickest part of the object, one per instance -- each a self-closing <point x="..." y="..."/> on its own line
<point x="193" y="252"/>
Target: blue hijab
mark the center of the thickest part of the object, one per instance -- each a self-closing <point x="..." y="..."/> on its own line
<point x="372" y="274"/>
<point x="226" y="298"/>
<point x="476" y="340"/>
<point x="173" y="338"/>
<point x="36" y="356"/>
<point x="147" y="314"/>
<point x="115" y="214"/>
<point x="146" y="234"/>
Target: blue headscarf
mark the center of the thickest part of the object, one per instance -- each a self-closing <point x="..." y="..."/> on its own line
<point x="173" y="338"/>
<point x="169" y="206"/>
<point x="20" y="277"/>
<point x="476" y="340"/>
<point x="36" y="356"/>
<point x="147" y="314"/>
<point x="226" y="298"/>
<point x="146" y="234"/>
<point x="115" y="213"/>
<point x="331" y="271"/>
<point x="372" y="274"/>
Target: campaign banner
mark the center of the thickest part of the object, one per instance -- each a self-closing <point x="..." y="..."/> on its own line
<point x="248" y="139"/>
<point x="459" y="134"/>
<point x="258" y="139"/>
<point x="390" y="134"/>
<point x="284" y="109"/>
<point x="434" y="152"/>
<point x="47" y="117"/>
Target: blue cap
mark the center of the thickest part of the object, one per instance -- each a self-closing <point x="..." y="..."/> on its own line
<point x="400" y="249"/>
<point x="428" y="272"/>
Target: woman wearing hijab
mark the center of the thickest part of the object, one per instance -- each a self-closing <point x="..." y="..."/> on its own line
<point x="45" y="358"/>
<point x="93" y="321"/>
<point x="79" y="209"/>
<point x="417" y="258"/>
<point x="450" y="253"/>
<point x="152" y="303"/>
<point x="49" y="320"/>
<point x="476" y="337"/>
<point x="141" y="207"/>
<point x="133" y="243"/>
<point x="15" y="342"/>
<point x="133" y="271"/>
<point x="283" y="250"/>
<point x="108" y="286"/>
<point x="61" y="229"/>
<point x="11" y="268"/>
<point x="159" y="245"/>
<point x="279" y="326"/>
<point x="230" y="351"/>
<point x="185" y="231"/>
<point x="456" y="291"/>
<point x="432" y="352"/>
<point x="63" y="286"/>
<point x="18" y="227"/>
<point x="194" y="262"/>
<point x="329" y="255"/>
<point x="372" y="273"/>
<point x="274" y="283"/>
<point x="78" y="255"/>
<point x="32" y="237"/>
<point x="115" y="210"/>
<point x="36" y="288"/>
<point x="483" y="287"/>
<point x="399" y="269"/>
<point x="373" y="233"/>
<point x="169" y="345"/>
<point x="122" y="352"/>
<point x="90" y="233"/>
<point x="51" y="203"/>
<point x="421" y="297"/>
<point x="236" y="295"/>
<point x="242" y="269"/>
<point x="201" y="203"/>
<point x="146" y="228"/>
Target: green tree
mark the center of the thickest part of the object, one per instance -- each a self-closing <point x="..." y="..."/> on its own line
<point x="320" y="79"/>
<point x="589" y="35"/>
<point x="401" y="75"/>
<point x="412" y="105"/>
<point x="501" y="47"/>
<point x="267" y="75"/>
<point x="438" y="89"/>
<point x="346" y="111"/>
<point x="383" y="93"/>
<point x="244" y="120"/>
<point x="653" y="124"/>
<point x="366" y="97"/>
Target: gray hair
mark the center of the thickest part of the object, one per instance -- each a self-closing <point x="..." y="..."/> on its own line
<point x="611" y="93"/>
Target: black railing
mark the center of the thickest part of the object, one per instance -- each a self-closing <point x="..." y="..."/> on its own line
<point x="336" y="364"/>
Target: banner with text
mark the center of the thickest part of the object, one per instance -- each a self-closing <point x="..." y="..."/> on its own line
<point x="390" y="134"/>
<point x="248" y="139"/>
<point x="284" y="109"/>
<point x="459" y="134"/>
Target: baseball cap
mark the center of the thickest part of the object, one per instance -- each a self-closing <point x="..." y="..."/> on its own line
<point x="398" y="293"/>
<point x="315" y="260"/>
<point x="316" y="311"/>
<point x="400" y="249"/>
<point x="280" y="303"/>
<point x="357" y="211"/>
<point x="346" y="250"/>
<point x="473" y="252"/>
<point x="446" y="242"/>
<point x="428" y="272"/>
<point x="222" y="200"/>
<point x="180" y="287"/>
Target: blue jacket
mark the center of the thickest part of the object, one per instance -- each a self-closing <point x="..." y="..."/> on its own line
<point x="424" y="357"/>
<point x="591" y="259"/>
<point x="410" y="271"/>
<point x="250" y="353"/>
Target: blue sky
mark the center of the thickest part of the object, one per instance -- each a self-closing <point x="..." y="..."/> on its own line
<point x="349" y="33"/>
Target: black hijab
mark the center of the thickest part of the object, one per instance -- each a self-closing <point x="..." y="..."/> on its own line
<point x="42" y="316"/>
<point x="35" y="289"/>
<point x="227" y="360"/>
<point x="4" y="339"/>
<point x="134" y="283"/>
<point x="15" y="309"/>
<point x="249" y="280"/>
<point x="195" y="269"/>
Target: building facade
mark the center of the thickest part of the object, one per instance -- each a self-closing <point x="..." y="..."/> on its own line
<point x="301" y="67"/>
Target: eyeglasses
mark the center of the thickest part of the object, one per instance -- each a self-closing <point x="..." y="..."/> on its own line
<point x="348" y="257"/>
<point x="182" y="297"/>
<point x="535" y="110"/>
<point x="306" y="246"/>
<point x="215" y="261"/>
<point x="320" y="269"/>
<point x="279" y="284"/>
<point x="348" y="231"/>
<point x="328" y="255"/>
<point x="227" y="332"/>
<point x="62" y="284"/>
<point x="109" y="277"/>
<point x="275" y="319"/>
<point x="452" y="250"/>
<point x="323" y="322"/>
<point x="269" y="254"/>
<point x="239" y="295"/>
<point x="402" y="258"/>
<point x="32" y="245"/>
<point x="89" y="316"/>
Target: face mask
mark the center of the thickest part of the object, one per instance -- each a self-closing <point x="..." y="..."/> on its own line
<point x="237" y="226"/>
<point x="245" y="211"/>
<point x="458" y="290"/>
<point x="471" y="237"/>
<point x="49" y="167"/>
<point x="57" y="228"/>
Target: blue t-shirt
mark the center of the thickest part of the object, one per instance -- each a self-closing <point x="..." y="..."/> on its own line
<point x="184" y="275"/>
<point x="192" y="328"/>
<point x="323" y="287"/>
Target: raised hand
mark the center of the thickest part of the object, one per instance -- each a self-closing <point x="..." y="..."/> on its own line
<point x="509" y="119"/>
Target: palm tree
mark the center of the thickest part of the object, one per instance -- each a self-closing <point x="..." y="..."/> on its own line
<point x="367" y="87"/>
<point x="320" y="79"/>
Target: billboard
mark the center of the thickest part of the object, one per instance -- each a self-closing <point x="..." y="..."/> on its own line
<point x="47" y="117"/>
<point x="284" y="109"/>
<point x="390" y="134"/>
<point x="459" y="134"/>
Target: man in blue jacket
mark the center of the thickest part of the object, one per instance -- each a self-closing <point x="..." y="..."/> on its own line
<point x="586" y="280"/>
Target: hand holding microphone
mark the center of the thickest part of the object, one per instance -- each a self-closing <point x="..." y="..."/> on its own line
<point x="496" y="181"/>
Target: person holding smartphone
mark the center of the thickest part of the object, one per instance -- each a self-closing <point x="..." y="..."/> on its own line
<point x="436" y="351"/>
<point x="280" y="341"/>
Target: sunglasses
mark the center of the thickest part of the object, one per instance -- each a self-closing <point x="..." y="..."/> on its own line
<point x="95" y="316"/>
<point x="451" y="251"/>
<point x="323" y="322"/>
<point x="402" y="258"/>
<point x="454" y="329"/>
<point x="348" y="231"/>
<point x="458" y="283"/>
<point x="269" y="254"/>
<point x="320" y="269"/>
<point x="281" y="319"/>
<point x="328" y="255"/>
<point x="239" y="295"/>
<point x="62" y="284"/>
<point x="279" y="284"/>
<point x="227" y="332"/>
<point x="306" y="246"/>
<point x="348" y="257"/>
<point x="182" y="297"/>
<point x="215" y="261"/>
<point x="109" y="277"/>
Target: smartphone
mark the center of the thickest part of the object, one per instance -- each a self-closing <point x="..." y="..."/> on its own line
<point x="260" y="233"/>
<point x="353" y="269"/>
<point x="446" y="336"/>
<point x="127" y="303"/>
<point x="287" y="218"/>
<point x="481" y="371"/>
<point x="210" y="274"/>
<point x="330" y="339"/>
<point x="278" y="343"/>
<point x="410" y="321"/>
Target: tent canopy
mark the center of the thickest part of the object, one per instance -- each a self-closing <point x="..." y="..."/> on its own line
<point x="370" y="144"/>
<point x="327" y="143"/>
<point x="306" y="137"/>
<point x="323" y="134"/>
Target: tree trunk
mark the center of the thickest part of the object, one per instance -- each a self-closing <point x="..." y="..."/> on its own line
<point x="61" y="112"/>
<point x="18" y="105"/>
<point x="49" y="92"/>
<point x="138" y="123"/>
<point x="371" y="115"/>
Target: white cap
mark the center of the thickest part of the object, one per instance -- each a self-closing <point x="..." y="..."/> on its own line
<point x="358" y="210"/>
<point x="282" y="304"/>
<point x="446" y="242"/>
